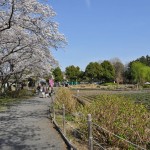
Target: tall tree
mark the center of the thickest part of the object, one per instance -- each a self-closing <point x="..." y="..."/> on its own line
<point x="72" y="73"/>
<point x="129" y="78"/>
<point x="27" y="34"/>
<point x="58" y="75"/>
<point x="119" y="70"/>
<point x="81" y="76"/>
<point x="140" y="72"/>
<point x="144" y="60"/>
<point x="93" y="71"/>
<point x="108" y="71"/>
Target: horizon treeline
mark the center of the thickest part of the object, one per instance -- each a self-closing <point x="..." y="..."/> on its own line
<point x="135" y="72"/>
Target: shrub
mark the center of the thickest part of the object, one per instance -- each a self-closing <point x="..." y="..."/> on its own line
<point x="19" y="94"/>
<point x="64" y="96"/>
<point x="120" y="116"/>
<point x="146" y="86"/>
<point x="26" y="92"/>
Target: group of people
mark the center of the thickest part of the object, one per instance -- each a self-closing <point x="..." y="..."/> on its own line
<point x="44" y="90"/>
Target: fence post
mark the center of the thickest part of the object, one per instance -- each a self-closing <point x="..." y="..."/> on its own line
<point x="77" y="92"/>
<point x="53" y="113"/>
<point x="64" y="130"/>
<point x="90" y="137"/>
<point x="53" y="109"/>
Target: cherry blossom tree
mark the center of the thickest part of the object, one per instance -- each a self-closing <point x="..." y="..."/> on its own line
<point x="28" y="33"/>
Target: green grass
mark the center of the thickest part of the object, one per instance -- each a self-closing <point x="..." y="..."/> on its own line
<point x="8" y="99"/>
<point x="6" y="102"/>
<point x="109" y="83"/>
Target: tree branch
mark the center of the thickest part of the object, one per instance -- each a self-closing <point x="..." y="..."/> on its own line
<point x="8" y="25"/>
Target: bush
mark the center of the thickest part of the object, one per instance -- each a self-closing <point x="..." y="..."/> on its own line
<point x="26" y="93"/>
<point x="120" y="116"/>
<point x="64" y="96"/>
<point x="146" y="86"/>
<point x="18" y="94"/>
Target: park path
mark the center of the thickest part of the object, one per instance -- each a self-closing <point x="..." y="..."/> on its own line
<point x="26" y="126"/>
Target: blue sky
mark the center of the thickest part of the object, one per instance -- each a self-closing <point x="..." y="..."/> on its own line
<point x="101" y="30"/>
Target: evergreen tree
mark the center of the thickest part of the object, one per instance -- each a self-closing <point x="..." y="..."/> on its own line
<point x="58" y="75"/>
<point x="108" y="71"/>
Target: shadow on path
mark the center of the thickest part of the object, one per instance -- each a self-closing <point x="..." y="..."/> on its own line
<point x="26" y="126"/>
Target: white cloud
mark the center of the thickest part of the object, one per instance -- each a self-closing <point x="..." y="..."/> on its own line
<point x="88" y="3"/>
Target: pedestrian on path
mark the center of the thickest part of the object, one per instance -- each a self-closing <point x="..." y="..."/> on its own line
<point x="38" y="89"/>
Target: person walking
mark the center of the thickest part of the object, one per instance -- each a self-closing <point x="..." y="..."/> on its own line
<point x="43" y="91"/>
<point x="38" y="89"/>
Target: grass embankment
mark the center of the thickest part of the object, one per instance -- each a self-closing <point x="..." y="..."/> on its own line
<point x="11" y="97"/>
<point x="115" y="113"/>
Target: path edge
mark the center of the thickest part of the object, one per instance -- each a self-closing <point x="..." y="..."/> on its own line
<point x="71" y="146"/>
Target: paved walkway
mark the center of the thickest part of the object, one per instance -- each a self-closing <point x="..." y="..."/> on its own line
<point x="26" y="126"/>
